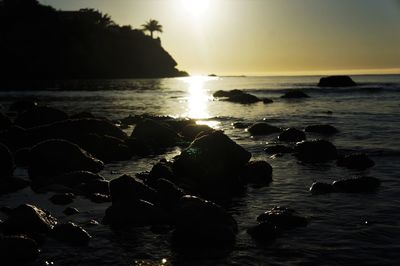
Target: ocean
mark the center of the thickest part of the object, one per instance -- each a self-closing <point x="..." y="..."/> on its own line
<point x="344" y="229"/>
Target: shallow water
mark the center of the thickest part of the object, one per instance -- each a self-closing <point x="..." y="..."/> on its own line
<point x="344" y="229"/>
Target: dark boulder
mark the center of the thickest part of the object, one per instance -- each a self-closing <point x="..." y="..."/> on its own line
<point x="322" y="129"/>
<point x="18" y="250"/>
<point x="168" y="193"/>
<point x="98" y="198"/>
<point x="263" y="129"/>
<point x="264" y="232"/>
<point x="22" y="156"/>
<point x="276" y="149"/>
<point x="162" y="170"/>
<point x="359" y="184"/>
<point x="23" y="105"/>
<point x="70" y="211"/>
<point x="62" y="199"/>
<point x="5" y="122"/>
<point x="96" y="186"/>
<point x="292" y="135"/>
<point x="55" y="157"/>
<point x="40" y="116"/>
<point x="241" y="125"/>
<point x="202" y="223"/>
<point x="128" y="188"/>
<point x="321" y="188"/>
<point x="267" y="101"/>
<point x="211" y="164"/>
<point x="237" y="96"/>
<point x="358" y="161"/>
<point x="16" y="137"/>
<point x="12" y="184"/>
<point x="257" y="172"/>
<point x="134" y="213"/>
<point x="71" y="233"/>
<point x="155" y="134"/>
<point x="30" y="220"/>
<point x="315" y="151"/>
<point x="190" y="132"/>
<point x="282" y="218"/>
<point x="6" y="162"/>
<point x="294" y="94"/>
<point x="336" y="81"/>
<point x="76" y="178"/>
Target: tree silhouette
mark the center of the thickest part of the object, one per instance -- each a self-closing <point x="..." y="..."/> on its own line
<point x="151" y="26"/>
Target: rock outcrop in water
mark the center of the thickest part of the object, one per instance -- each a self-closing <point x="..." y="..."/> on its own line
<point x="237" y="96"/>
<point x="263" y="129"/>
<point x="322" y="129"/>
<point x="295" y="94"/>
<point x="315" y="151"/>
<point x="355" y="161"/>
<point x="18" y="250"/>
<point x="336" y="81"/>
<point x="350" y="185"/>
<point x="292" y="135"/>
<point x="71" y="233"/>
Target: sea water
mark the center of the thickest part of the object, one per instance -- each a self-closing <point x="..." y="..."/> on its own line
<point x="344" y="229"/>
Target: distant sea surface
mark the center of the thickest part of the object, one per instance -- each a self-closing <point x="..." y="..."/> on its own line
<point x="344" y="229"/>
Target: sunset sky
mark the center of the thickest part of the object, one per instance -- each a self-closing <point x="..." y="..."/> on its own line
<point x="267" y="37"/>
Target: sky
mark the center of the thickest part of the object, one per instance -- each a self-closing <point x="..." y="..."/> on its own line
<point x="267" y="37"/>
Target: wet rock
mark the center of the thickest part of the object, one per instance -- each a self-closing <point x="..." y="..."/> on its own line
<point x="99" y="198"/>
<point x="199" y="222"/>
<point x="71" y="233"/>
<point x="70" y="211"/>
<point x="23" y="105"/>
<point x="237" y="96"/>
<point x="336" y="81"/>
<point x="322" y="129"/>
<point x="257" y="172"/>
<point x="321" y="188"/>
<point x="355" y="161"/>
<point x="282" y="218"/>
<point x="276" y="149"/>
<point x="62" y="199"/>
<point x="55" y="157"/>
<point x="358" y="184"/>
<point x="12" y="184"/>
<point x="315" y="151"/>
<point x="264" y="232"/>
<point x="155" y="134"/>
<point x="292" y="135"/>
<point x="76" y="178"/>
<point x="211" y="164"/>
<point x="22" y="157"/>
<point x="295" y="94"/>
<point x="162" y="170"/>
<point x="267" y="101"/>
<point x="191" y="131"/>
<point x="18" y="250"/>
<point x="16" y="137"/>
<point x="40" y="116"/>
<point x="5" y="122"/>
<point x="241" y="125"/>
<point x="263" y="129"/>
<point x="82" y="115"/>
<point x="134" y="213"/>
<point x="6" y="162"/>
<point x="30" y="220"/>
<point x="168" y="193"/>
<point x="128" y="188"/>
<point x="96" y="186"/>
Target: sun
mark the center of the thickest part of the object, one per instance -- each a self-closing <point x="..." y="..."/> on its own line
<point x="196" y="7"/>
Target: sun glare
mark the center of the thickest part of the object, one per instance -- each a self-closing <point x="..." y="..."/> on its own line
<point x="196" y="7"/>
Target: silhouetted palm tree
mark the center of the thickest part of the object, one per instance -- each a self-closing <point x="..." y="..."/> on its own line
<point x="152" y="25"/>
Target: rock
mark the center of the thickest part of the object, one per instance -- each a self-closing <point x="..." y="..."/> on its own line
<point x="263" y="129"/>
<point x="257" y="172"/>
<point x="99" y="198"/>
<point x="292" y="135"/>
<point x="191" y="131"/>
<point x="23" y="105"/>
<point x="16" y="137"/>
<point x="282" y="218"/>
<point x="359" y="184"/>
<point x="236" y="96"/>
<point x="128" y="188"/>
<point x="321" y="188"/>
<point x="336" y="81"/>
<point x="315" y="151"/>
<point x="71" y="233"/>
<point x="322" y="129"/>
<point x="168" y="193"/>
<point x="134" y="213"/>
<point x="267" y="101"/>
<point x="30" y="220"/>
<point x="5" y="122"/>
<point x="82" y="115"/>
<point x="76" y="178"/>
<point x="201" y="223"/>
<point x="355" y="161"/>
<point x="211" y="165"/>
<point x="18" y="250"/>
<point x="12" y="184"/>
<point x="22" y="157"/>
<point x="55" y="157"/>
<point x="155" y="134"/>
<point x="6" y="162"/>
<point x="276" y="149"/>
<point x="70" y="211"/>
<point x="241" y="125"/>
<point x="40" y="116"/>
<point x="62" y="199"/>
<point x="96" y="186"/>
<point x="264" y="232"/>
<point x="295" y="94"/>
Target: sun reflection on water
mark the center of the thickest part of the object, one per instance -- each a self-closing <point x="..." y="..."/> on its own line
<point x="198" y="100"/>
